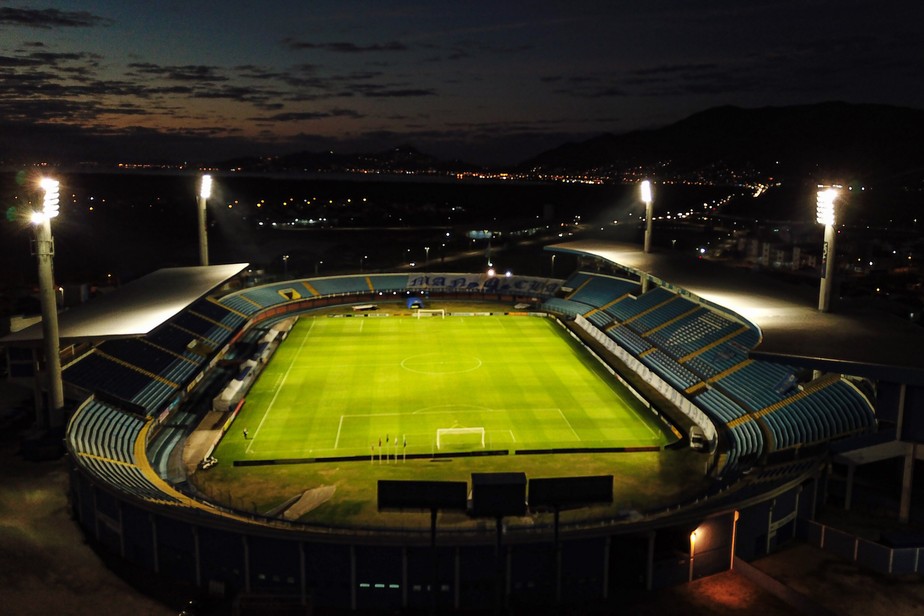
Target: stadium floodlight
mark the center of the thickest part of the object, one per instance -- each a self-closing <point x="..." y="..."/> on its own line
<point x="692" y="552"/>
<point x="205" y="191"/>
<point x="824" y="205"/>
<point x="44" y="250"/>
<point x="825" y="200"/>
<point x="50" y="201"/>
<point x="205" y="186"/>
<point x="645" y="189"/>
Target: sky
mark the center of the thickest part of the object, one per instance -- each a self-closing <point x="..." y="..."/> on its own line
<point x="486" y="82"/>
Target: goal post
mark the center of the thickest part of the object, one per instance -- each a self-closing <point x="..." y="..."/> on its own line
<point x="459" y="438"/>
<point x="431" y="312"/>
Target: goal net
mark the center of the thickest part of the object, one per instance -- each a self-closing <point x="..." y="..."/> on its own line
<point x="460" y="438"/>
<point x="431" y="312"/>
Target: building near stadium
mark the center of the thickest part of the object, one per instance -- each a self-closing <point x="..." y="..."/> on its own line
<point x="763" y="392"/>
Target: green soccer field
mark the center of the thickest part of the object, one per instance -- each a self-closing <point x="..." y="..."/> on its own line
<point x="340" y="386"/>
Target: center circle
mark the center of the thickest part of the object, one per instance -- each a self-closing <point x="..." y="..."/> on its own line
<point x="440" y="363"/>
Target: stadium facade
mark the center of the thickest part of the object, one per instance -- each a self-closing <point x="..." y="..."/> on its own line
<point x="769" y="429"/>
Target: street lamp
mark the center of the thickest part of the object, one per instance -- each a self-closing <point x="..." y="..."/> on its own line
<point x="645" y="188"/>
<point x="285" y="265"/>
<point x="426" y="256"/>
<point x="825" y="215"/>
<point x="205" y="191"/>
<point x="44" y="251"/>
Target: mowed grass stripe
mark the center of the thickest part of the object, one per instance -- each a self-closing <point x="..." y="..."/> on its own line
<point x="339" y="385"/>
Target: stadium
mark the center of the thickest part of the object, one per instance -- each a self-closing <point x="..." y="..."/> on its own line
<point x="466" y="441"/>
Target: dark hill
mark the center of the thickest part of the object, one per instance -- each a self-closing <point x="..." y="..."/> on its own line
<point x="874" y="143"/>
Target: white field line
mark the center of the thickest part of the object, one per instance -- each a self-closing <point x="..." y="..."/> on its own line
<point x="414" y="440"/>
<point x="653" y="434"/>
<point x="570" y="427"/>
<point x="339" y="427"/>
<point x="278" y="389"/>
<point x="449" y="412"/>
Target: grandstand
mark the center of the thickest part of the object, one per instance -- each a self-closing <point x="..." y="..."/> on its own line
<point x="744" y="398"/>
<point x="769" y="419"/>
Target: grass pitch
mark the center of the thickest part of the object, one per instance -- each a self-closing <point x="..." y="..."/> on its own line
<point x="341" y="386"/>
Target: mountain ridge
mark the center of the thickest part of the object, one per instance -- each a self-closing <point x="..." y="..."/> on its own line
<point x="826" y="139"/>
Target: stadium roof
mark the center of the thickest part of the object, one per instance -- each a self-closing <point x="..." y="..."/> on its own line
<point x="135" y="308"/>
<point x="849" y="340"/>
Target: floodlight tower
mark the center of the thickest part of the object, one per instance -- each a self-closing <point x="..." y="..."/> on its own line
<point x="825" y="215"/>
<point x="44" y="250"/>
<point x="692" y="552"/>
<point x="205" y="191"/>
<point x="645" y="188"/>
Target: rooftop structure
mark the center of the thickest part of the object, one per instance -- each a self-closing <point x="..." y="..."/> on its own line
<point x="135" y="308"/>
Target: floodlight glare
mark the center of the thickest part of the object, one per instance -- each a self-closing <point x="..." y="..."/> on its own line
<point x="825" y="215"/>
<point x="44" y="250"/>
<point x="205" y="191"/>
<point x="649" y="209"/>
<point x="824" y="206"/>
<point x="205" y="186"/>
<point x="51" y="202"/>
<point x="646" y="191"/>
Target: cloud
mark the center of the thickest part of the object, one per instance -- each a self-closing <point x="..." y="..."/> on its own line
<point x="46" y="19"/>
<point x="189" y="72"/>
<point x="345" y="47"/>
<point x="302" y="116"/>
<point x="262" y="73"/>
<point x="586" y="86"/>
<point x="386" y="92"/>
<point x="49" y="60"/>
<point x="673" y="69"/>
